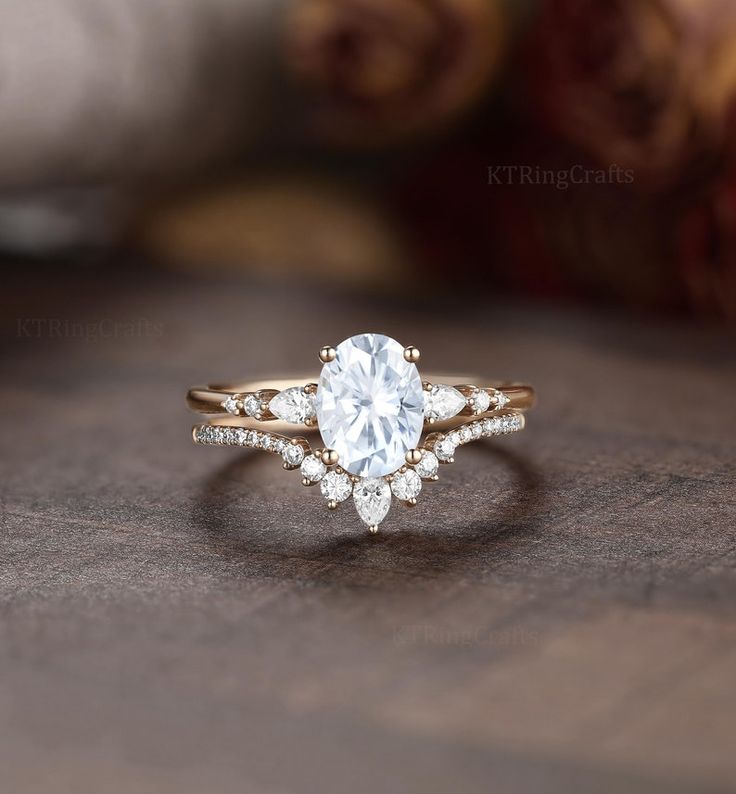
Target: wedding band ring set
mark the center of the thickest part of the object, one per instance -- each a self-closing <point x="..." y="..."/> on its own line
<point x="385" y="430"/>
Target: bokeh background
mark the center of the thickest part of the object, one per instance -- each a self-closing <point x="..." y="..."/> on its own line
<point x="570" y="150"/>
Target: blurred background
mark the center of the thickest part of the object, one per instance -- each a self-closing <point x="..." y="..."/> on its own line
<point x="575" y="151"/>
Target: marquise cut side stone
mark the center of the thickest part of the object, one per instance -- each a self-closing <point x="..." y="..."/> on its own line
<point x="442" y="402"/>
<point x="293" y="405"/>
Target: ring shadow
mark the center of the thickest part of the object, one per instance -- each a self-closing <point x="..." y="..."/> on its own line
<point x="447" y="546"/>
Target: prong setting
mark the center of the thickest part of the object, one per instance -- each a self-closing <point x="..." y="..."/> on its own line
<point x="413" y="456"/>
<point x="412" y="354"/>
<point x="329" y="457"/>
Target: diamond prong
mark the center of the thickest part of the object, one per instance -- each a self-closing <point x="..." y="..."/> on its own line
<point x="413" y="456"/>
<point x="327" y="354"/>
<point x="332" y="505"/>
<point x="412" y="354"/>
<point x="411" y="502"/>
<point x="329" y="457"/>
<point x="373" y="529"/>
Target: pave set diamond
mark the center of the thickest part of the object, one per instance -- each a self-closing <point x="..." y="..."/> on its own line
<point x="371" y="407"/>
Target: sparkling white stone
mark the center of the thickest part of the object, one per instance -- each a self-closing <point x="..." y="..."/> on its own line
<point x="336" y="486"/>
<point x="372" y="497"/>
<point x="428" y="465"/>
<point x="442" y="402"/>
<point x="293" y="454"/>
<point x="501" y="399"/>
<point x="313" y="469"/>
<point x="406" y="485"/>
<point x="370" y="405"/>
<point x="252" y="405"/>
<point x="293" y="405"/>
<point x="232" y="405"/>
<point x="481" y="401"/>
<point x="444" y="449"/>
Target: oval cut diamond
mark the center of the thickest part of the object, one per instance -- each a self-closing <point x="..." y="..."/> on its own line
<point x="370" y="405"/>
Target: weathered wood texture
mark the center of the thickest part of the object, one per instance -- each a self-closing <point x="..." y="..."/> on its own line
<point x="556" y="615"/>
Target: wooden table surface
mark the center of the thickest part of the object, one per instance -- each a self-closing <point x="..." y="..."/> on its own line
<point x="556" y="615"/>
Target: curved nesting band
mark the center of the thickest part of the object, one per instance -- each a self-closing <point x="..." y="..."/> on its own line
<point x="387" y="429"/>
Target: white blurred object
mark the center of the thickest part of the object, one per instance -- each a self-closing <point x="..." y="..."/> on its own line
<point x="108" y="89"/>
<point x="42" y="224"/>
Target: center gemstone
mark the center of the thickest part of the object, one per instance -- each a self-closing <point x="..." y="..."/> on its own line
<point x="370" y="405"/>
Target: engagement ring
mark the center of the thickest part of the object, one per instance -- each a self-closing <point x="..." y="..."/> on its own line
<point x="371" y="408"/>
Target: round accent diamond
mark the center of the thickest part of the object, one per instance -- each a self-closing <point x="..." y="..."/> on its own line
<point x="240" y="437"/>
<point x="501" y="399"/>
<point x="232" y="404"/>
<point x="445" y="449"/>
<point x="313" y="469"/>
<point x="336" y="486"/>
<point x="406" y="485"/>
<point x="293" y="454"/>
<point x="252" y="405"/>
<point x="370" y="405"/>
<point x="428" y="465"/>
<point x="481" y="401"/>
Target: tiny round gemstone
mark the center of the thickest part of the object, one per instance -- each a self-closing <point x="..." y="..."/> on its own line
<point x="231" y="405"/>
<point x="428" y="465"/>
<point x="406" y="484"/>
<point x="464" y="434"/>
<point x="313" y="469"/>
<point x="240" y="436"/>
<point x="336" y="486"/>
<point x="501" y="399"/>
<point x="481" y="401"/>
<point x="444" y="448"/>
<point x="252" y="405"/>
<point x="476" y="430"/>
<point x="251" y="438"/>
<point x="293" y="454"/>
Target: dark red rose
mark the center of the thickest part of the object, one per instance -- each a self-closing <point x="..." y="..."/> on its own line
<point x="708" y="251"/>
<point x="646" y="84"/>
<point x="378" y="69"/>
